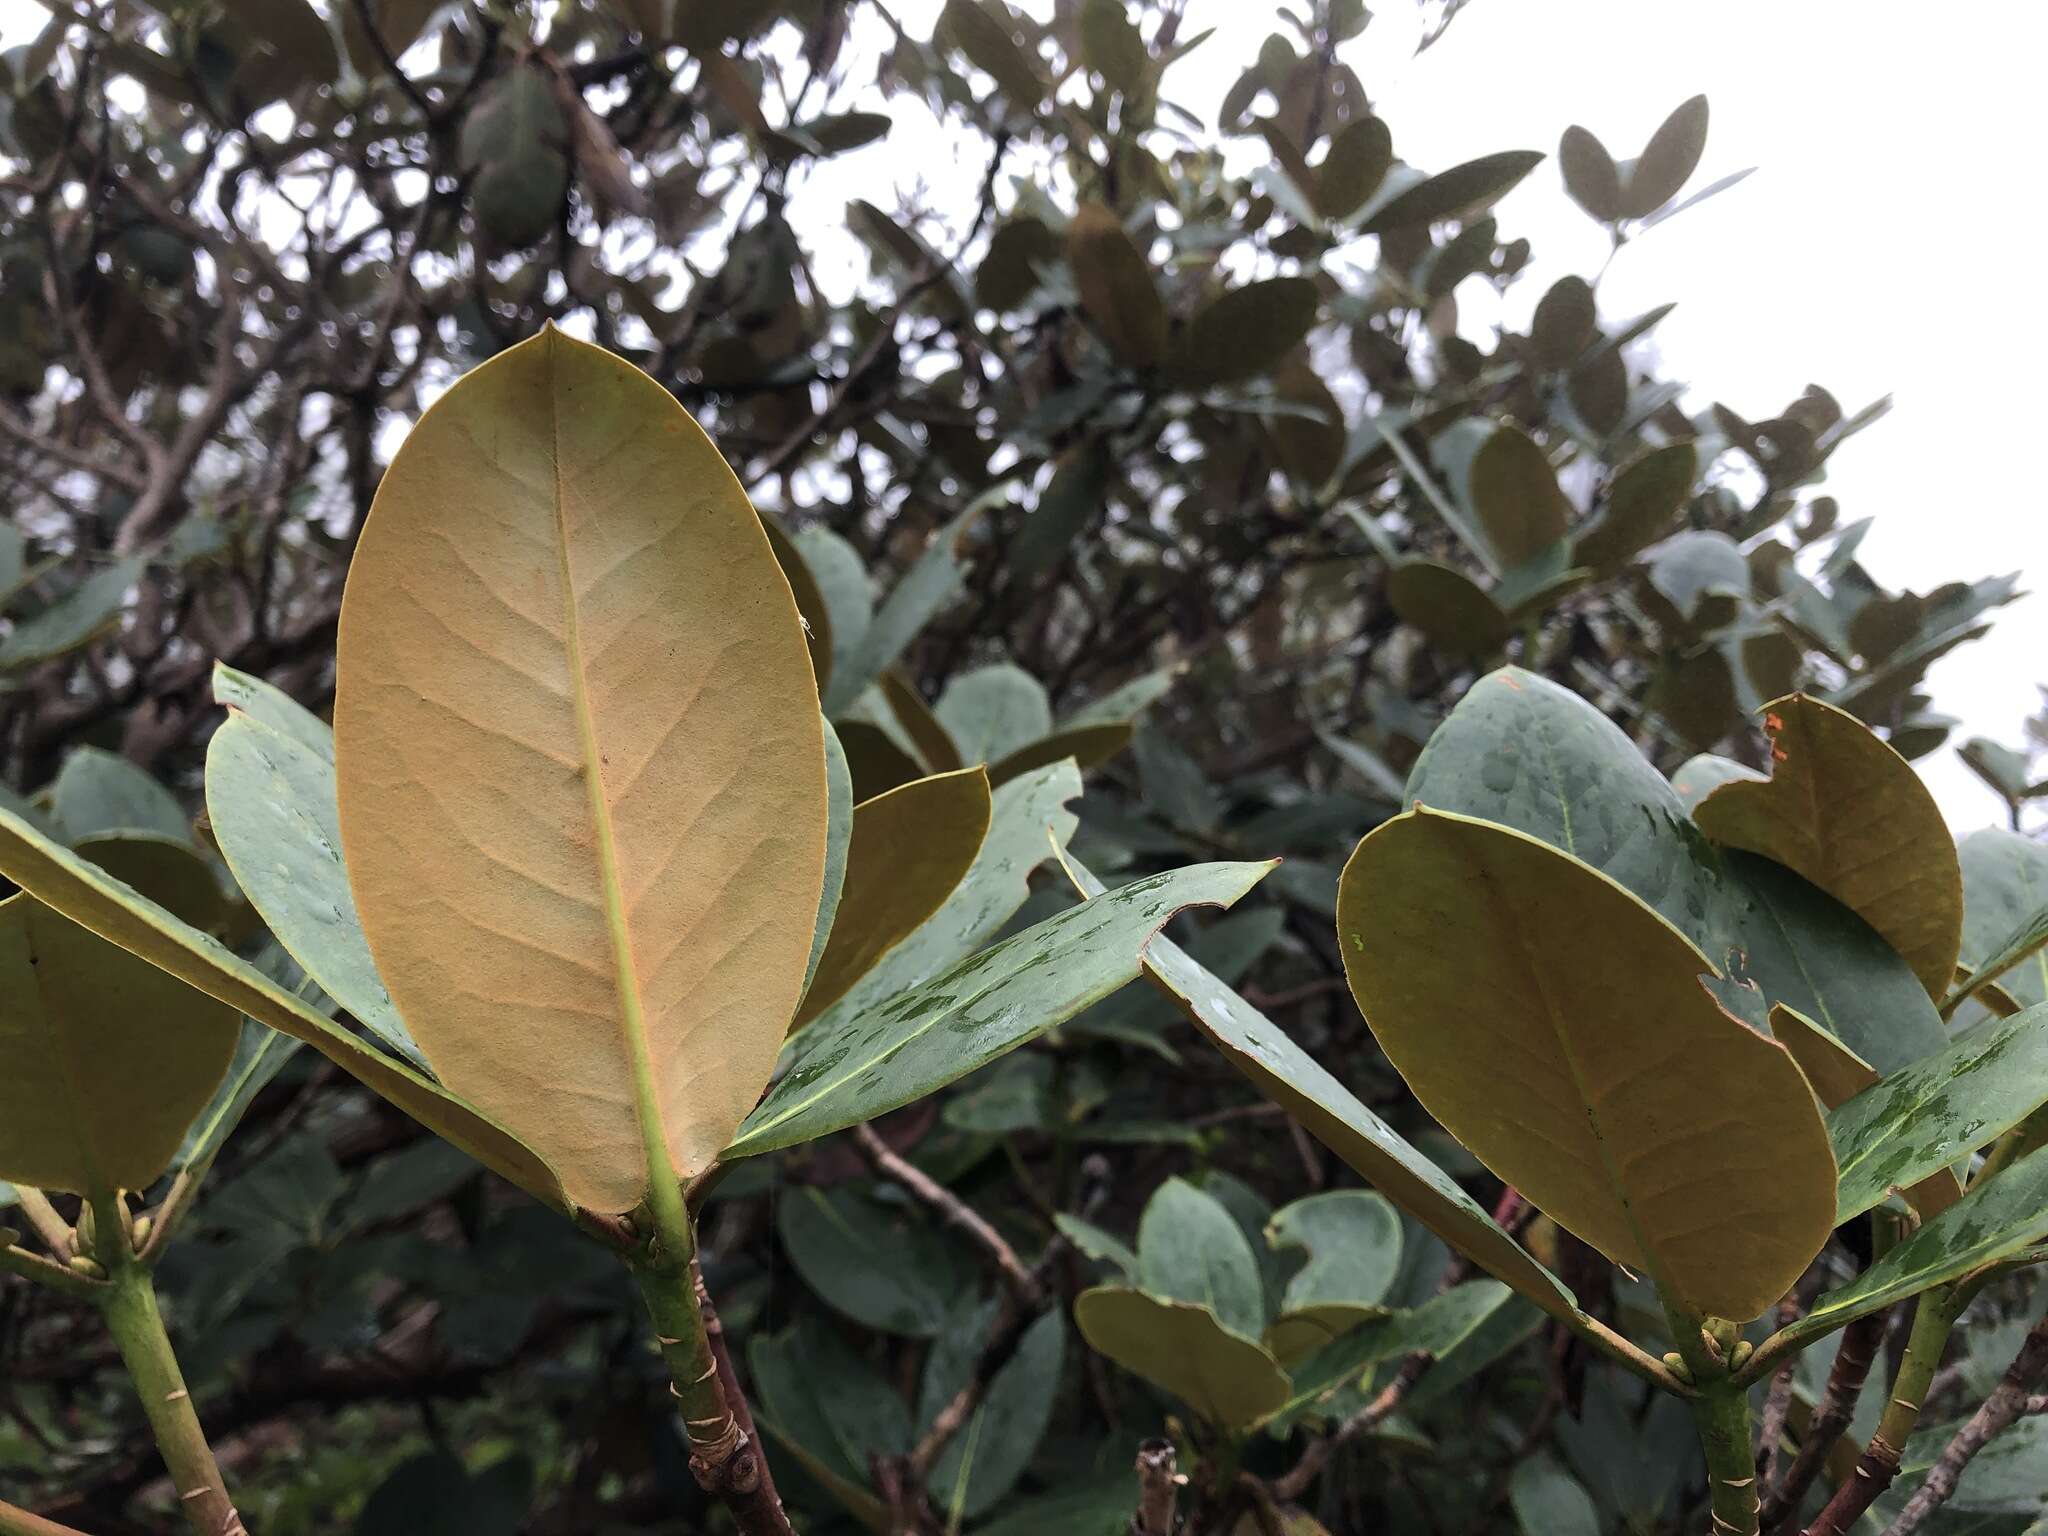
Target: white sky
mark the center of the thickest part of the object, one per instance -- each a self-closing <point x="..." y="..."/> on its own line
<point x="1885" y="245"/>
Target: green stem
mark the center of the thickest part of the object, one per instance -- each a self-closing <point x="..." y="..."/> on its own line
<point x="1721" y="1415"/>
<point x="723" y="1458"/>
<point x="129" y="1304"/>
<point x="1879" y="1464"/>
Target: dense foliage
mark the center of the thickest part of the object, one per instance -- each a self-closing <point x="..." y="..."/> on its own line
<point x="1131" y="473"/>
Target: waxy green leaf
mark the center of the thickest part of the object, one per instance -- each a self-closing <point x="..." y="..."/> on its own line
<point x="982" y="1463"/>
<point x="1027" y="821"/>
<point x="1458" y="192"/>
<point x="1646" y="1120"/>
<point x="1642" y="507"/>
<point x="838" y="834"/>
<point x="1451" y="609"/>
<point x="611" y="970"/>
<point x="1180" y="1346"/>
<point x="851" y="1068"/>
<point x="883" y="1266"/>
<point x="1515" y="496"/>
<point x="98" y="791"/>
<point x="1190" y="1248"/>
<point x="168" y="870"/>
<point x="1936" y="1112"/>
<point x="89" y="896"/>
<point x="2005" y="885"/>
<point x="909" y="851"/>
<point x="1998" y="1217"/>
<point x="104" y="1059"/>
<point x="1353" y="1242"/>
<point x="1851" y="816"/>
<point x="1247" y="330"/>
<point x="992" y="711"/>
<point x="270" y="799"/>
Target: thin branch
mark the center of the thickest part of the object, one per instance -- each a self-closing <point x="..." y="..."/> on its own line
<point x="19" y="1522"/>
<point x="954" y="1211"/>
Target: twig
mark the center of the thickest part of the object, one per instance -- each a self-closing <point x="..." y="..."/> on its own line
<point x="728" y="1378"/>
<point x="921" y="1186"/>
<point x="1159" y="1486"/>
<point x="1831" y="1416"/>
<point x="19" y="1522"/>
<point x="2008" y="1400"/>
<point x="1290" y="1488"/>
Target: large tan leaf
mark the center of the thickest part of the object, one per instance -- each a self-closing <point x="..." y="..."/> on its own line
<point x="910" y="849"/>
<point x="581" y="768"/>
<point x="89" y="896"/>
<point x="1558" y="1027"/>
<point x="1849" y="814"/>
<point x="104" y="1059"/>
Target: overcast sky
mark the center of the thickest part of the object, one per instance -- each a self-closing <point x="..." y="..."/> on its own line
<point x="1882" y="246"/>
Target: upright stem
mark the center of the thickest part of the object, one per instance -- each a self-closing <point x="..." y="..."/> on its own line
<point x="129" y="1303"/>
<point x="1721" y="1414"/>
<point x="723" y="1456"/>
<point x="1879" y="1463"/>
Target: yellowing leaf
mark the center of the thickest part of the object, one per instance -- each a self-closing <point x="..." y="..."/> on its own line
<point x="1558" y="1028"/>
<point x="581" y="768"/>
<point x="1180" y="1345"/>
<point x="1116" y="286"/>
<point x="104" y="1059"/>
<point x="1849" y="814"/>
<point x="910" y="849"/>
<point x="91" y="897"/>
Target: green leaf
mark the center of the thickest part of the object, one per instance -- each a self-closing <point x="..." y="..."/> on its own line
<point x="97" y="791"/>
<point x="1247" y="330"/>
<point x="849" y="598"/>
<point x="1648" y="1121"/>
<point x="979" y="29"/>
<point x="1353" y="1242"/>
<point x="1566" y="319"/>
<point x="992" y="711"/>
<point x="1356" y="163"/>
<point x="849" y="1069"/>
<point x="1525" y="752"/>
<point x="1702" y="579"/>
<point x="1293" y="1079"/>
<point x="830" y="1410"/>
<point x="1671" y="156"/>
<point x="1937" y="1112"/>
<point x="1436" y="1328"/>
<point x="908" y="853"/>
<point x="1115" y="50"/>
<point x="107" y="1059"/>
<point x="2017" y="947"/>
<point x="1644" y="505"/>
<point x="838" y="833"/>
<point x="285" y="46"/>
<point x="1998" y="1217"/>
<point x="983" y="1461"/>
<point x="1700" y="775"/>
<point x="169" y="871"/>
<point x="1590" y="175"/>
<point x="1548" y="1501"/>
<point x="88" y="896"/>
<point x="612" y="971"/>
<point x="1090" y="1241"/>
<point x="1458" y="192"/>
<point x="2005" y="885"/>
<point x="809" y="597"/>
<point x="260" y="1054"/>
<point x="938" y="749"/>
<point x="272" y="707"/>
<point x="270" y="799"/>
<point x="1087" y="745"/>
<point x="1181" y="1347"/>
<point x="1515" y="496"/>
<point x="936" y="578"/>
<point x="1191" y="1249"/>
<point x="883" y="1266"/>
<point x="1851" y="816"/>
<point x="1451" y="610"/>
<point x="513" y="142"/>
<point x="1027" y="821"/>
<point x="1116" y="287"/>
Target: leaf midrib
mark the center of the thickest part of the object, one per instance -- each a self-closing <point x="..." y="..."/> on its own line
<point x="661" y="1172"/>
